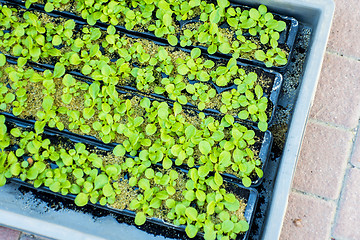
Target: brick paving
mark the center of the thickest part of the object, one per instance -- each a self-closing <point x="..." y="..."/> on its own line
<point x="308" y="217"/>
<point x="9" y="234"/>
<point x="322" y="160"/>
<point x="325" y="199"/>
<point x="344" y="34"/>
<point x="347" y="220"/>
<point x="337" y="100"/>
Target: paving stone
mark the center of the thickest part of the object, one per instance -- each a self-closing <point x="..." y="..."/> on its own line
<point x="307" y="218"/>
<point x="345" y="34"/>
<point x="355" y="158"/>
<point x="8" y="234"/>
<point x="337" y="99"/>
<point x="323" y="157"/>
<point x="347" y="223"/>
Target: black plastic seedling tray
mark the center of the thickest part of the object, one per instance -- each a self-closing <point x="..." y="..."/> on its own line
<point x="88" y="140"/>
<point x="158" y="226"/>
<point x="263" y="152"/>
<point x="286" y="40"/>
<point x="263" y="146"/>
<point x="271" y="90"/>
<point x="153" y="226"/>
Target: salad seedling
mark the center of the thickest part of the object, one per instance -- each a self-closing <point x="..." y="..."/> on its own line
<point x="149" y="131"/>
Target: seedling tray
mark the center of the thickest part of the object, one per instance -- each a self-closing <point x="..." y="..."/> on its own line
<point x="264" y="154"/>
<point x="271" y="88"/>
<point x="153" y="226"/>
<point x="286" y="40"/>
<point x="156" y="225"/>
<point x="271" y="91"/>
<point x="271" y="84"/>
<point x="262" y="146"/>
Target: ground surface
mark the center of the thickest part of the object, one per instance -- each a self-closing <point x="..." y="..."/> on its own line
<point x="325" y="197"/>
<point x="324" y="201"/>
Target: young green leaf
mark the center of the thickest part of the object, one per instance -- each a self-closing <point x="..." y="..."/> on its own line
<point x="172" y="39"/>
<point x="130" y="14"/>
<point x="212" y="49"/>
<point x="244" y="226"/>
<point x="100" y="181"/>
<point x="144" y="184"/>
<point x="94" y="89"/>
<point x="195" y="53"/>
<point x="119" y="150"/>
<point x="86" y="70"/>
<point x="223" y="3"/>
<point x="155" y="203"/>
<point x="2" y="59"/>
<point x="183" y="69"/>
<point x="243" y="114"/>
<point x="82" y="199"/>
<point x="49" y="7"/>
<point x="47" y="103"/>
<point x="56" y="41"/>
<point x="254" y="14"/>
<point x="108" y="190"/>
<point x="75" y="59"/>
<point x="191" y="213"/>
<point x="260" y="55"/>
<point x="150" y="129"/>
<point x="227" y="226"/>
<point x="162" y="195"/>
<point x="218" y="179"/>
<point x="204" y="147"/>
<point x="246" y="181"/>
<point x="263" y="126"/>
<point x="191" y="230"/>
<point x="15" y="132"/>
<point x="200" y="195"/>
<point x="262" y="9"/>
<point x="280" y="26"/>
<point x="167" y="163"/>
<point x="59" y="70"/>
<point x="140" y="218"/>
